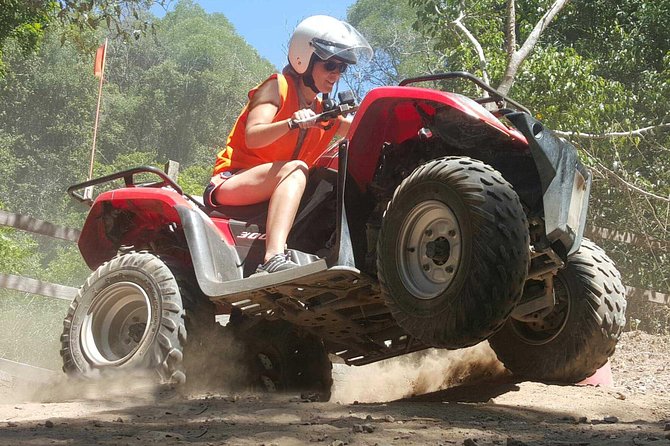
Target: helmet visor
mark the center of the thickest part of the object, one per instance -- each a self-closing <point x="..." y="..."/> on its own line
<point x="348" y="45"/>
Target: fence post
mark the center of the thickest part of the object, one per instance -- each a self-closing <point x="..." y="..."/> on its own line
<point x="172" y="170"/>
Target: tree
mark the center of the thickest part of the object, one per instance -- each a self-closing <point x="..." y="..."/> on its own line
<point x="26" y="21"/>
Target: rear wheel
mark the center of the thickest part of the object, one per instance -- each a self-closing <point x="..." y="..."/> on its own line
<point x="281" y="358"/>
<point x="129" y="314"/>
<point x="581" y="332"/>
<point x="452" y="253"/>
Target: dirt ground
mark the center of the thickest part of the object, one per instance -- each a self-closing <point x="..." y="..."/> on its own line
<point x="434" y="398"/>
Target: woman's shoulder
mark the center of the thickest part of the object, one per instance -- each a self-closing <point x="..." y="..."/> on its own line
<point x="268" y="92"/>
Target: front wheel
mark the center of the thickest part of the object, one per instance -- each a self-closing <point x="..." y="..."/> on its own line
<point x="581" y="332"/>
<point x="452" y="252"/>
<point x="129" y="314"/>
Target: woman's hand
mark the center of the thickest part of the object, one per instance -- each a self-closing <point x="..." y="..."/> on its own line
<point x="305" y="118"/>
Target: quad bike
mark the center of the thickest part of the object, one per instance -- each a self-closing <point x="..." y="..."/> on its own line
<point x="440" y="221"/>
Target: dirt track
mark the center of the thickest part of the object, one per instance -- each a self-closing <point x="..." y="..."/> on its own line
<point x="494" y="411"/>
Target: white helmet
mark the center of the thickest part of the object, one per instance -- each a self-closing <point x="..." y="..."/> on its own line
<point x="326" y="37"/>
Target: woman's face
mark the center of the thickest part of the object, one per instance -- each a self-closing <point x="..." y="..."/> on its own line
<point x="326" y="73"/>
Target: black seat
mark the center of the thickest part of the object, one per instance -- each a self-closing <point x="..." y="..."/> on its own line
<point x="258" y="211"/>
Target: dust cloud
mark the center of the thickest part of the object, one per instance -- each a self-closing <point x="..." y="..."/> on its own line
<point x="127" y="386"/>
<point x="405" y="376"/>
<point x="414" y="374"/>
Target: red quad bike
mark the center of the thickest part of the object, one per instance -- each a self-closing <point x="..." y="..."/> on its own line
<point x="435" y="223"/>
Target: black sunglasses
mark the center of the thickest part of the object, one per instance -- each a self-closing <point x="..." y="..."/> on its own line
<point x="330" y="65"/>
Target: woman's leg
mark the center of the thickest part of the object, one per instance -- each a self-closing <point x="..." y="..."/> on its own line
<point x="283" y="183"/>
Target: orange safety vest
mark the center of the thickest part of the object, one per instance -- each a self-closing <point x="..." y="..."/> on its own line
<point x="236" y="154"/>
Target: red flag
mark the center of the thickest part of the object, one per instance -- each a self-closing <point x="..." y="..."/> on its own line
<point x="99" y="66"/>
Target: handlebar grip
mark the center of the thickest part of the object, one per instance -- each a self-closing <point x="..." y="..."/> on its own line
<point x="295" y="123"/>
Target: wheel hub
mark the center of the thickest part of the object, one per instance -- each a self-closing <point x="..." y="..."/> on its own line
<point x="438" y="250"/>
<point x="546" y="327"/>
<point x="429" y="251"/>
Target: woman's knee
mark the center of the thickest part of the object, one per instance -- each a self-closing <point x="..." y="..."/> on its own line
<point x="294" y="169"/>
<point x="296" y="166"/>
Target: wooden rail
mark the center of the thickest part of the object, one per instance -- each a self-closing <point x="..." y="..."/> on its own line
<point x="631" y="238"/>
<point x="36" y="226"/>
<point x="34" y="286"/>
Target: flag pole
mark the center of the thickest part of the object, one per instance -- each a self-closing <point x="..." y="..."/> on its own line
<point x="99" y="65"/>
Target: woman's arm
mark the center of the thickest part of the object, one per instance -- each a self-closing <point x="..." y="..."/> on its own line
<point x="260" y="130"/>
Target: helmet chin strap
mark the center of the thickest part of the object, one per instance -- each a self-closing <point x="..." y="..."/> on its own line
<point x="307" y="77"/>
<point x="308" y="80"/>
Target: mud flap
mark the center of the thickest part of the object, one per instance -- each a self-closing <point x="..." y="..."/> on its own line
<point x="343" y="254"/>
<point x="566" y="182"/>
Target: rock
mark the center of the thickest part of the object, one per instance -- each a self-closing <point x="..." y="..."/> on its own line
<point x="367" y="428"/>
<point x="611" y="419"/>
<point x="667" y="427"/>
<point x="11" y="424"/>
<point x="49" y="424"/>
<point x="389" y="419"/>
<point x="337" y="443"/>
<point x="583" y="420"/>
<point x="368" y="418"/>
<point x="470" y="442"/>
<point x="514" y="442"/>
<point x="310" y="397"/>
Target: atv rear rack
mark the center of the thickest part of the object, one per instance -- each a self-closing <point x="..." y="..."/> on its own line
<point x="129" y="180"/>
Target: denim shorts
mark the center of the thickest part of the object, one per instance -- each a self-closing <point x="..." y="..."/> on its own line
<point x="208" y="195"/>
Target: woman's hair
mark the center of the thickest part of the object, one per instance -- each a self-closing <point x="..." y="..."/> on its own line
<point x="289" y="71"/>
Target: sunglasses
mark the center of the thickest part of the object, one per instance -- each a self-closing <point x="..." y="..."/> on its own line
<point x="330" y="65"/>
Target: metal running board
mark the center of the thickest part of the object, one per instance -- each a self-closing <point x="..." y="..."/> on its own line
<point x="340" y="305"/>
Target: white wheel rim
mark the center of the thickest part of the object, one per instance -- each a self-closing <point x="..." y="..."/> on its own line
<point x="116" y="324"/>
<point x="429" y="249"/>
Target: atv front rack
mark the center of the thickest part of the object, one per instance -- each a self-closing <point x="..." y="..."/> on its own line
<point x="496" y="96"/>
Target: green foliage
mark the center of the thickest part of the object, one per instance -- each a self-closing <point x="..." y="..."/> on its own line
<point x="194" y="178"/>
<point x="23" y="21"/>
<point x="19" y="253"/>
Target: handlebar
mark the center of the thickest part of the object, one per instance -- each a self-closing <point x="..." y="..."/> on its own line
<point x="340" y="110"/>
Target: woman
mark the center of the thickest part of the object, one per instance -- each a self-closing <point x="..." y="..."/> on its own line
<point x="276" y="137"/>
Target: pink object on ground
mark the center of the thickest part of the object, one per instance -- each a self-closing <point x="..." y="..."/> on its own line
<point x="602" y="377"/>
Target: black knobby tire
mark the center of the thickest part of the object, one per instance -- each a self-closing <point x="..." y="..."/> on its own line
<point x="580" y="334"/>
<point x="129" y="314"/>
<point x="453" y="252"/>
<point x="281" y="358"/>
